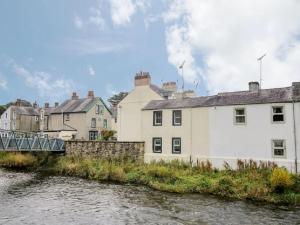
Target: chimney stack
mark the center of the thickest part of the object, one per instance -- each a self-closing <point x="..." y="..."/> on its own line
<point x="170" y="86"/>
<point x="74" y="96"/>
<point x="142" y="79"/>
<point x="253" y="86"/>
<point x="18" y="102"/>
<point x="56" y="104"/>
<point x="91" y="94"/>
<point x="46" y="105"/>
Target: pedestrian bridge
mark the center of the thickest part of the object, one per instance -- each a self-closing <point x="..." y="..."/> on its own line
<point x="29" y="142"/>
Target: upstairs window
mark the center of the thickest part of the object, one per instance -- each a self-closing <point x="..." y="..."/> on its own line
<point x="105" y="123"/>
<point x="93" y="123"/>
<point x="14" y="115"/>
<point x="177" y="118"/>
<point x="278" y="148"/>
<point x="176" y="145"/>
<point x="157" y="145"/>
<point x="99" y="109"/>
<point x="157" y="118"/>
<point x="277" y="114"/>
<point x="240" y="116"/>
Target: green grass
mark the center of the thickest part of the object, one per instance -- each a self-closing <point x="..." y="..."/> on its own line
<point x="251" y="181"/>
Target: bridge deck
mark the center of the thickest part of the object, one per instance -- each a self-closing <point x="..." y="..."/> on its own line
<point x="25" y="141"/>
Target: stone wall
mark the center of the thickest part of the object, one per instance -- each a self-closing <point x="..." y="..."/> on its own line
<point x="106" y="149"/>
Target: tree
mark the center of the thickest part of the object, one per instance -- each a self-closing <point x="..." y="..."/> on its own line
<point x="115" y="99"/>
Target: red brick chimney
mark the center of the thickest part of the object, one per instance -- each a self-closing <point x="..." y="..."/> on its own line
<point x="90" y="94"/>
<point x="74" y="96"/>
<point x="142" y="79"/>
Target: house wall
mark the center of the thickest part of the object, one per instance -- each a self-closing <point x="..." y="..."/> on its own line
<point x="5" y="119"/>
<point x="253" y="140"/>
<point x="129" y="123"/>
<point x="193" y="133"/>
<point x="82" y="122"/>
<point x="27" y="123"/>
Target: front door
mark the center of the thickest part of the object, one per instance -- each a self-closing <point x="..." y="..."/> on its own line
<point x="93" y="135"/>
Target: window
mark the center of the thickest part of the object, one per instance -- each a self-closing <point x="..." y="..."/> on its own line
<point x="176" y="145"/>
<point x="277" y="114"/>
<point x="157" y="118"/>
<point x="278" y="148"/>
<point x="157" y="145"/>
<point x="240" y="116"/>
<point x="36" y="118"/>
<point x="93" y="123"/>
<point x="14" y="114"/>
<point x="177" y="118"/>
<point x="67" y="117"/>
<point x="99" y="109"/>
<point x="93" y="135"/>
<point x="5" y="115"/>
<point x="105" y="123"/>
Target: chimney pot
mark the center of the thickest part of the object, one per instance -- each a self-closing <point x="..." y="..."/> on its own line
<point x="46" y="105"/>
<point x="253" y="86"/>
<point x="142" y="79"/>
<point x="91" y="94"/>
<point x="74" y="96"/>
<point x="56" y="104"/>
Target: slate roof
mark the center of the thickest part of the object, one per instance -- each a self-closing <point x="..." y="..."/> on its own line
<point x="77" y="105"/>
<point x="275" y="95"/>
<point x="25" y="110"/>
<point x="74" y="105"/>
<point x="160" y="91"/>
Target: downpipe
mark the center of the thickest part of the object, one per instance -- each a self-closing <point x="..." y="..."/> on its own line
<point x="295" y="139"/>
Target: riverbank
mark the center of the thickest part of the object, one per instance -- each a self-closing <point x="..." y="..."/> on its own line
<point x="263" y="182"/>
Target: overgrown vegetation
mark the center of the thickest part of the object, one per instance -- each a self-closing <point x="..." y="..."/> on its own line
<point x="254" y="181"/>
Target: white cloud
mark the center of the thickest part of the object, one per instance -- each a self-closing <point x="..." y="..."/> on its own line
<point x="123" y="10"/>
<point x="78" y="22"/>
<point x="96" y="17"/>
<point x="3" y="82"/>
<point x="229" y="36"/>
<point x="91" y="70"/>
<point x="92" y="46"/>
<point x="45" y="84"/>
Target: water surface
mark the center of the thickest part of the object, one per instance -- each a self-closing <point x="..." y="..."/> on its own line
<point x="29" y="198"/>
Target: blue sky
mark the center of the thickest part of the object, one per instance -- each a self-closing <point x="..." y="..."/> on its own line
<point x="50" y="48"/>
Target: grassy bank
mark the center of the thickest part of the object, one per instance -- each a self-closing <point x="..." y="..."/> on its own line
<point x="251" y="181"/>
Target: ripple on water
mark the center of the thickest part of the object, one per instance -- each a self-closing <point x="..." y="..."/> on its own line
<point x="34" y="199"/>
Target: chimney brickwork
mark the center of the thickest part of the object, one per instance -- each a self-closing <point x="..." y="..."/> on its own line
<point x="74" y="96"/>
<point x="253" y="86"/>
<point x="91" y="94"/>
<point x="142" y="79"/>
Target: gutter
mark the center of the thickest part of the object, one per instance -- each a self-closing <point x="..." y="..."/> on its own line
<point x="295" y="140"/>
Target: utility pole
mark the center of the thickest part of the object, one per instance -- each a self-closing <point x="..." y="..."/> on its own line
<point x="181" y="67"/>
<point x="260" y="69"/>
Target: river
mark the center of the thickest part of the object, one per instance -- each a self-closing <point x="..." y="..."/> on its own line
<point x="32" y="198"/>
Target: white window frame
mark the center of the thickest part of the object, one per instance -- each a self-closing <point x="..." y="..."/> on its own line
<point x="155" y="123"/>
<point x="93" y="123"/>
<point x="176" y="145"/>
<point x="282" y="113"/>
<point x="235" y="115"/>
<point x="155" y="144"/>
<point x="105" y="125"/>
<point x="174" y="117"/>
<point x="280" y="148"/>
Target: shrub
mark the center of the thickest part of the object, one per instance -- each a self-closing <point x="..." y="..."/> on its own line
<point x="280" y="180"/>
<point x="107" y="134"/>
<point x="17" y="160"/>
<point x="225" y="187"/>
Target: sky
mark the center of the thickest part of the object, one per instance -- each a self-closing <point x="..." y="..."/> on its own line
<point x="48" y="49"/>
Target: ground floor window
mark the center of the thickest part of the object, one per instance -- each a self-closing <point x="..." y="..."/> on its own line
<point x="93" y="135"/>
<point x="278" y="148"/>
<point x="176" y="145"/>
<point x="157" y="145"/>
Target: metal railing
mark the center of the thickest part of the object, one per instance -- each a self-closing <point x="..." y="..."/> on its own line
<point x="26" y="141"/>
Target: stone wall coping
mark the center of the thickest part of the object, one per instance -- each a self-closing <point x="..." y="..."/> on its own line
<point x="113" y="142"/>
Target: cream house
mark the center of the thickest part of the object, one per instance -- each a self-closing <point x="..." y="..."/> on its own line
<point x="20" y="118"/>
<point x="80" y="118"/>
<point x="129" y="115"/>
<point x="258" y="124"/>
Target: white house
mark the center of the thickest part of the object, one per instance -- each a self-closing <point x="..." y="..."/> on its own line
<point x="258" y="124"/>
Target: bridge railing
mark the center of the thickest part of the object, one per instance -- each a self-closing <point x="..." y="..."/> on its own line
<point x="28" y="141"/>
